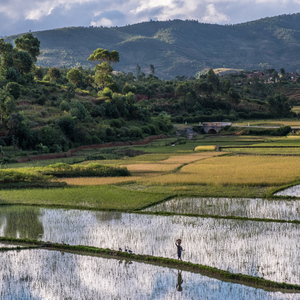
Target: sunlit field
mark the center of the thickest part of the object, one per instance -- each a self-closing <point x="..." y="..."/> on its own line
<point x="96" y="197"/>
<point x="158" y="168"/>
<point x="236" y="170"/>
<point x="167" y="165"/>
<point x="296" y="109"/>
<point x="205" y="148"/>
<point x="97" y="180"/>
<point x="295" y="123"/>
<point x="264" y="151"/>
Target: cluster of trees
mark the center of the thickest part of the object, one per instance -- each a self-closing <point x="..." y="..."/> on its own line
<point x="100" y="105"/>
<point x="89" y="106"/>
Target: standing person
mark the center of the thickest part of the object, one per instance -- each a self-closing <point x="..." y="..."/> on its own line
<point x="179" y="248"/>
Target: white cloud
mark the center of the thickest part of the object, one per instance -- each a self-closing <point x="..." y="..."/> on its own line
<point x="35" y="9"/>
<point x="42" y="14"/>
<point x="213" y="16"/>
<point x="102" y="22"/>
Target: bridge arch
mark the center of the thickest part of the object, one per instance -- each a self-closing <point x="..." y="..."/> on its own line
<point x="211" y="131"/>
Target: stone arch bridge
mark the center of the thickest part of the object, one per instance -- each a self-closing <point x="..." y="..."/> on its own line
<point x="213" y="127"/>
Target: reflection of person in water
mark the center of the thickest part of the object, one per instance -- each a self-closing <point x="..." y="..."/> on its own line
<point x="179" y="281"/>
<point x="179" y="248"/>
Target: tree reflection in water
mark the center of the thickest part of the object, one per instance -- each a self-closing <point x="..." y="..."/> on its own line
<point x="22" y="222"/>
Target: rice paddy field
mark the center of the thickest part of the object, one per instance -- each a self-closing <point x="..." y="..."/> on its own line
<point x="287" y="122"/>
<point x="235" y="170"/>
<point x="40" y="274"/>
<point x="263" y="249"/>
<point x="236" y="210"/>
<point x="91" y="197"/>
<point x="293" y="191"/>
<point x="267" y="209"/>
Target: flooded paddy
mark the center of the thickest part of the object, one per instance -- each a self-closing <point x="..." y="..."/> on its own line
<point x="4" y="245"/>
<point x="43" y="274"/>
<point x="248" y="208"/>
<point x="293" y="191"/>
<point x="265" y="249"/>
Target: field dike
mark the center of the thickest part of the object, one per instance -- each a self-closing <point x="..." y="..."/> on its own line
<point x="248" y="280"/>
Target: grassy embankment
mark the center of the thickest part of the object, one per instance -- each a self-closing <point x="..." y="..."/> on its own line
<point x="165" y="171"/>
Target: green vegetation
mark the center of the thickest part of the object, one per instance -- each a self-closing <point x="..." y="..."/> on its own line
<point x="51" y="110"/>
<point x="90" y="170"/>
<point x="170" y="46"/>
<point x="46" y="111"/>
<point x="92" y="197"/>
<point x="164" y="172"/>
<point x="38" y="174"/>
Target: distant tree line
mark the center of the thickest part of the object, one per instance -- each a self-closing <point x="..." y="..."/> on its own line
<point x="76" y="106"/>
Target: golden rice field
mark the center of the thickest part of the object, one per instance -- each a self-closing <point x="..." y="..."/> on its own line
<point x="168" y="165"/>
<point x="205" y="148"/>
<point x="188" y="158"/>
<point x="152" y="167"/>
<point x="296" y="109"/>
<point x="97" y="180"/>
<point x="142" y="169"/>
<point x="234" y="170"/>
<point x="266" y="150"/>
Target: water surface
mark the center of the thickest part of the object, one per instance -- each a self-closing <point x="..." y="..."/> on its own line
<point x="240" y="207"/>
<point x="269" y="250"/>
<point x="293" y="191"/>
<point x="42" y="274"/>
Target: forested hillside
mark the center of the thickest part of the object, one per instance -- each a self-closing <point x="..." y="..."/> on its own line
<point x="179" y="48"/>
<point x="54" y="109"/>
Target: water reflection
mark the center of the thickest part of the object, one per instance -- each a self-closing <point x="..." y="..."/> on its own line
<point x="5" y="245"/>
<point x="293" y="191"/>
<point x="244" y="207"/>
<point x="179" y="281"/>
<point x="108" y="215"/>
<point x="21" y="222"/>
<point x="269" y="250"/>
<point x="41" y="274"/>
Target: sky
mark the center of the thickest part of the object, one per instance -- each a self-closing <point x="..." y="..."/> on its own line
<point x="21" y="16"/>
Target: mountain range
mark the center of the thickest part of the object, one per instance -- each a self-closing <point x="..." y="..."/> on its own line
<point x="177" y="47"/>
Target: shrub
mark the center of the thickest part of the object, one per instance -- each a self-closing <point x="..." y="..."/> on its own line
<point x="135" y="132"/>
<point x="146" y="129"/>
<point x="90" y="170"/>
<point x="64" y="106"/>
<point x="10" y="176"/>
<point x="282" y="131"/>
<point x="116" y="123"/>
<point x="14" y="89"/>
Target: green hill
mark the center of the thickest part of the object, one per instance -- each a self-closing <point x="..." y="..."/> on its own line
<point x="178" y="47"/>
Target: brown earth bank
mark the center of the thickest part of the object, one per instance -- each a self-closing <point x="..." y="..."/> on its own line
<point x="71" y="152"/>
